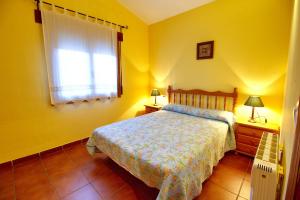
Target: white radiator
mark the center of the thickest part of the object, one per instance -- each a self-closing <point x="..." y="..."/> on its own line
<point x="264" y="175"/>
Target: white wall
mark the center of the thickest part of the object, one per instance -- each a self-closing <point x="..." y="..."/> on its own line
<point x="292" y="91"/>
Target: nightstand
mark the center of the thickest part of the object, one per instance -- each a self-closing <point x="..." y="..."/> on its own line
<point x="152" y="108"/>
<point x="248" y="135"/>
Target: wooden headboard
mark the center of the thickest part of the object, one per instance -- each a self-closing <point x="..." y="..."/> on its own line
<point x="204" y="99"/>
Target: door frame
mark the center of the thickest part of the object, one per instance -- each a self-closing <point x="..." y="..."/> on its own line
<point x="294" y="175"/>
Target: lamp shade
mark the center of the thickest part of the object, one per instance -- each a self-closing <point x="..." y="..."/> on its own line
<point x="155" y="92"/>
<point x="254" y="101"/>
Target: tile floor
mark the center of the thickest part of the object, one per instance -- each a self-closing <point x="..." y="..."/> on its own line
<point x="70" y="174"/>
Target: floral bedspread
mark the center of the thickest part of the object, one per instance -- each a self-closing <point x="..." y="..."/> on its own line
<point x="174" y="152"/>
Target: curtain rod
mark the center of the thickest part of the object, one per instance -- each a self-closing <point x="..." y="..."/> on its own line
<point x="80" y="13"/>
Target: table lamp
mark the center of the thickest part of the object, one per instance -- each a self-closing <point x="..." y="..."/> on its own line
<point x="253" y="101"/>
<point x="155" y="93"/>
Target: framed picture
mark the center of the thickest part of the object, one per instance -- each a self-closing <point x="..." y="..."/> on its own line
<point x="205" y="50"/>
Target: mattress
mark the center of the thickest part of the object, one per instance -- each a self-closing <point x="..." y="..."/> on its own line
<point x="172" y="150"/>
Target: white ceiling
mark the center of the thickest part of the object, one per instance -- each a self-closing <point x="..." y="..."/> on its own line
<point x="152" y="11"/>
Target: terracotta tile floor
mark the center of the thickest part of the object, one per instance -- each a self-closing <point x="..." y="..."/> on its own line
<point x="70" y="173"/>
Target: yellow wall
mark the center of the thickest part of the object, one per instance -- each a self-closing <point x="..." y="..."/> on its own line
<point x="251" y="47"/>
<point x="251" y="42"/>
<point x="292" y="92"/>
<point x="28" y="124"/>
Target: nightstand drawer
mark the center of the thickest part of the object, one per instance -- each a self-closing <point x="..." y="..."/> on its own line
<point x="247" y="140"/>
<point x="249" y="131"/>
<point x="248" y="136"/>
<point x="150" y="109"/>
<point x="247" y="149"/>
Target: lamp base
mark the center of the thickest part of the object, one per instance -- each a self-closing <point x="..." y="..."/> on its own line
<point x="251" y="120"/>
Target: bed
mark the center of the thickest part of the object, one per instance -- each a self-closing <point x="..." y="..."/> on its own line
<point x="174" y="149"/>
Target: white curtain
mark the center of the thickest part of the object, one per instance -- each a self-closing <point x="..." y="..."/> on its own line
<point x="81" y="57"/>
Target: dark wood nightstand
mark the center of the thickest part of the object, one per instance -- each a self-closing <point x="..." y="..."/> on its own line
<point x="248" y="135"/>
<point x="152" y="108"/>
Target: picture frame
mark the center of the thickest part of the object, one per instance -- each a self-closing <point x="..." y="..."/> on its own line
<point x="205" y="50"/>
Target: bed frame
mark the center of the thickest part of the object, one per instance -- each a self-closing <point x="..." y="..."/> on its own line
<point x="204" y="99"/>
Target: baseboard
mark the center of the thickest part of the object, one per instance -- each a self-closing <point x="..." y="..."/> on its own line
<point x="42" y="153"/>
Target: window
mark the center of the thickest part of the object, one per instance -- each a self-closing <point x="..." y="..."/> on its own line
<point x="82" y="58"/>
